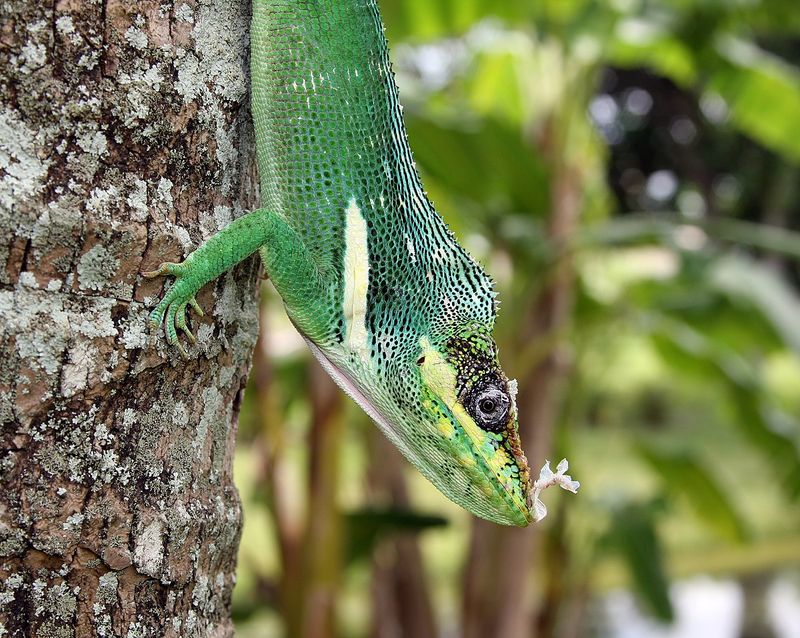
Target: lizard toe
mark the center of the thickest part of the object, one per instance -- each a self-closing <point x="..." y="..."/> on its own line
<point x="171" y="329"/>
<point x="180" y="322"/>
<point x="196" y="306"/>
<point x="171" y="310"/>
<point x="157" y="315"/>
<point x="166" y="268"/>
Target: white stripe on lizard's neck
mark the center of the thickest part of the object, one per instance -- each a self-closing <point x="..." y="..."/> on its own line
<point x="356" y="281"/>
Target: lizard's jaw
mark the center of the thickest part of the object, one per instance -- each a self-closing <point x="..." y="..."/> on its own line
<point x="492" y="459"/>
<point x="351" y="389"/>
<point x="494" y="487"/>
<point x="491" y="466"/>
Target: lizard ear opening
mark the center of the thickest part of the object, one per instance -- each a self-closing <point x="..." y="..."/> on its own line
<point x="421" y="360"/>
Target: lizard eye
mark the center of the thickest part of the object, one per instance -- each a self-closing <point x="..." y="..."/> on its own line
<point x="488" y="404"/>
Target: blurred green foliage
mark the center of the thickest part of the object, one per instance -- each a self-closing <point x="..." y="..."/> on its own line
<point x="638" y="159"/>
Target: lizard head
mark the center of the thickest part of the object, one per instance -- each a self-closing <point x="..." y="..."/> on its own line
<point x="471" y="407"/>
<point x="448" y="407"/>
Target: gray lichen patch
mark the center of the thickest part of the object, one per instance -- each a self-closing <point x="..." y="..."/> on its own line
<point x="212" y="408"/>
<point x="228" y="305"/>
<point x="137" y="199"/>
<point x="96" y="267"/>
<point x="66" y="28"/>
<point x="220" y="50"/>
<point x="102" y="201"/>
<point x="107" y="589"/>
<point x="23" y="171"/>
<point x="215" y="75"/>
<point x="142" y="84"/>
<point x="40" y="323"/>
<point x="184" y="13"/>
<point x="148" y="465"/>
<point x="55" y="602"/>
<point x="32" y="57"/>
<point x="95" y="316"/>
<point x="75" y="376"/>
<point x="106" y="598"/>
<point x="136" y="38"/>
<point x="12" y="541"/>
<point x="135" y="328"/>
<point x="149" y="552"/>
<point x="94" y="143"/>
<point x="52" y="238"/>
<point x="163" y="197"/>
<point x="223" y="215"/>
<point x="59" y="334"/>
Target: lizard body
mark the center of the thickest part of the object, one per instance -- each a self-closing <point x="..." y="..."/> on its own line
<point x="388" y="301"/>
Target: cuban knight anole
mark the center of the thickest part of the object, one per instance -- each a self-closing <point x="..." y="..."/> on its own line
<point x="388" y="301"/>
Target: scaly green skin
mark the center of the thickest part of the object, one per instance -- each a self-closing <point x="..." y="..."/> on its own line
<point x="391" y="305"/>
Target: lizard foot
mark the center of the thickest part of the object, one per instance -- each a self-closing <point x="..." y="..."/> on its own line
<point x="173" y="306"/>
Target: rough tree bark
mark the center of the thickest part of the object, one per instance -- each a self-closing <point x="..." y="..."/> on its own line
<point x="124" y="140"/>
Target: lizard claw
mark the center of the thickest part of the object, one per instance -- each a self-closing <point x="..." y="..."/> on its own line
<point x="172" y="333"/>
<point x="196" y="307"/>
<point x="171" y="310"/>
<point x="180" y="322"/>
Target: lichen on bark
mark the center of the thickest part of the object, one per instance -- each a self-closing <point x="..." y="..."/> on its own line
<point x="125" y="140"/>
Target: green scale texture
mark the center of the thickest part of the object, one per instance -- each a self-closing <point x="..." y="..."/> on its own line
<point x="329" y="129"/>
<point x="330" y="137"/>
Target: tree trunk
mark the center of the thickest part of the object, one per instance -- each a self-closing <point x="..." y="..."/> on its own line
<point x="125" y="140"/>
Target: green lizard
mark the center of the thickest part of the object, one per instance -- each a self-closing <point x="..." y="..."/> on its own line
<point x="388" y="301"/>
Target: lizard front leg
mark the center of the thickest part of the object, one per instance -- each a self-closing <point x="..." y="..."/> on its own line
<point x="287" y="262"/>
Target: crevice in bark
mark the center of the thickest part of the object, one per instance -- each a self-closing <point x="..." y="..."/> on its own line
<point x="24" y="261"/>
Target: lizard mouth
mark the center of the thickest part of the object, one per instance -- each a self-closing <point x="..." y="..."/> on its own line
<point x="503" y="468"/>
<point x="476" y="447"/>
